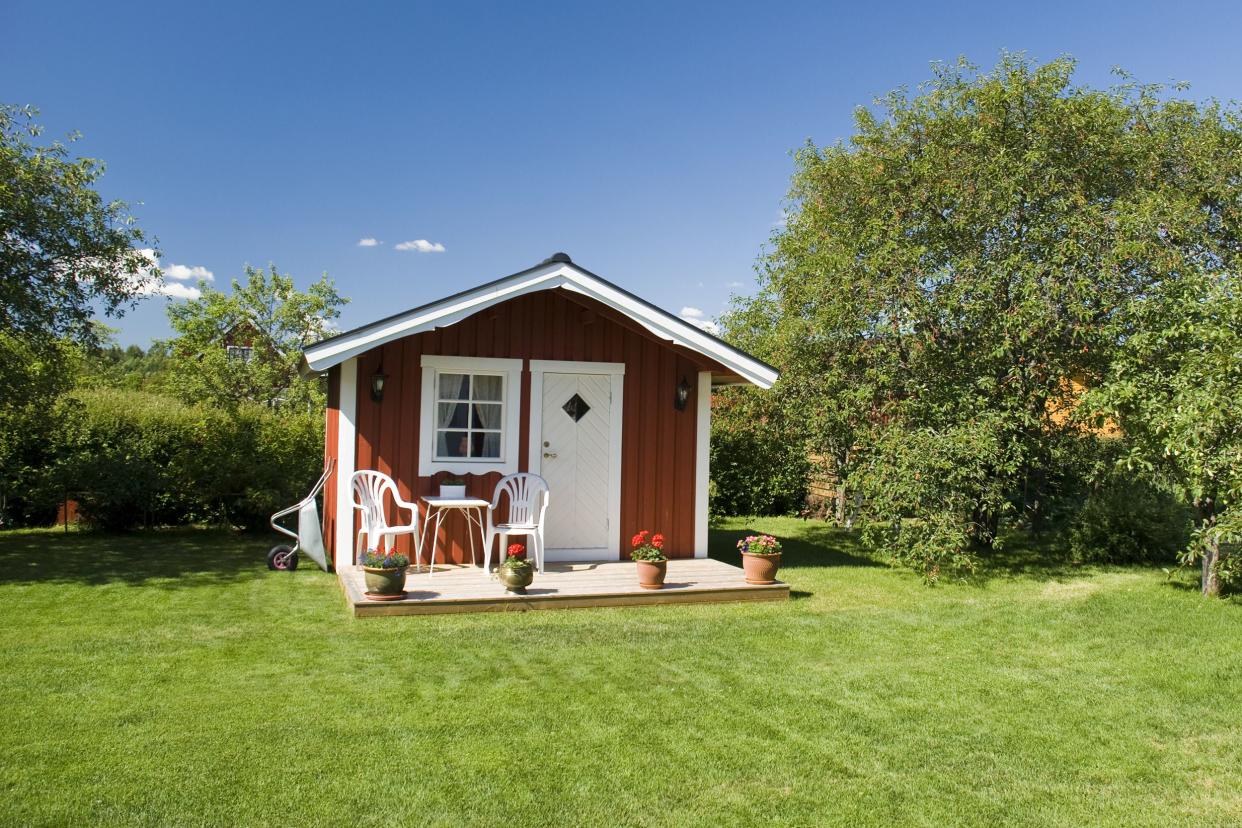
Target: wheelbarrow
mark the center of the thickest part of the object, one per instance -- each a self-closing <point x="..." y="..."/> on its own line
<point x="308" y="538"/>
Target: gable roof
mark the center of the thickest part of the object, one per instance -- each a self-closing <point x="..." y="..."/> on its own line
<point x="558" y="271"/>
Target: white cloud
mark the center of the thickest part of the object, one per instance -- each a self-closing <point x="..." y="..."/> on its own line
<point x="369" y="242"/>
<point x="702" y="324"/>
<point x="176" y="290"/>
<point x="698" y="319"/>
<point x="422" y="246"/>
<point x="151" y="286"/>
<point x="182" y="273"/>
<point x="735" y="285"/>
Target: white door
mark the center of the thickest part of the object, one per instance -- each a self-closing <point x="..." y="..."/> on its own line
<point x="574" y="459"/>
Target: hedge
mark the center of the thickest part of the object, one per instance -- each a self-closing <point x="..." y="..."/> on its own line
<point x="134" y="458"/>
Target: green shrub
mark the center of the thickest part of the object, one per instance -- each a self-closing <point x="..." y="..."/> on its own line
<point x="1128" y="519"/>
<point x="134" y="458"/>
<point x="757" y="466"/>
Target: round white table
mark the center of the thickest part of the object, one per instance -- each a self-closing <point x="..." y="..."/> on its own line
<point x="437" y="507"/>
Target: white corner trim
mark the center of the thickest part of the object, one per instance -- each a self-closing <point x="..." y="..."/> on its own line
<point x="511" y="372"/>
<point x="347" y="405"/>
<point x="702" y="460"/>
<point x="323" y="355"/>
<point x="616" y="409"/>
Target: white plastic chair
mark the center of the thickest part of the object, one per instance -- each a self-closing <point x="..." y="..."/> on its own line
<point x="369" y="490"/>
<point x="528" y="504"/>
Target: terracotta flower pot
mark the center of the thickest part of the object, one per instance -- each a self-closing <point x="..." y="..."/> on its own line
<point x="385" y="584"/>
<point x="516" y="580"/>
<point x="651" y="573"/>
<point x="761" y="569"/>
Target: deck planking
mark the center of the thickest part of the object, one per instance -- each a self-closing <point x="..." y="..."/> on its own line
<point x="463" y="588"/>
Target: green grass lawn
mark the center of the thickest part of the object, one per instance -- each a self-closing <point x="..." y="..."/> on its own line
<point x="170" y="679"/>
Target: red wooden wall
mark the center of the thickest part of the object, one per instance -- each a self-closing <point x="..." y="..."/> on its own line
<point x="658" y="441"/>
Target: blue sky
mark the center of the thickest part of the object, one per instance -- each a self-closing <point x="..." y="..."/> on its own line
<point x="651" y="141"/>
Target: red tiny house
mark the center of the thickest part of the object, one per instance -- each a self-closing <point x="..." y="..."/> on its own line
<point x="553" y="370"/>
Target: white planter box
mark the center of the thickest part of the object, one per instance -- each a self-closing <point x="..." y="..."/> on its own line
<point x="458" y="492"/>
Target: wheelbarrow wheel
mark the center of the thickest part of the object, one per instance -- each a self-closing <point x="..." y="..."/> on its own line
<point x="282" y="558"/>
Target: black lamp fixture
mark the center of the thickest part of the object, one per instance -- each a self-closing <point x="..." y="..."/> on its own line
<point x="683" y="394"/>
<point x="377" y="384"/>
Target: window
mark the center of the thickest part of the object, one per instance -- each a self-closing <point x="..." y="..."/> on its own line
<point x="470" y="415"/>
<point x="241" y="353"/>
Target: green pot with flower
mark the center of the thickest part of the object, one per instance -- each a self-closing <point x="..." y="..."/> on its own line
<point x="647" y="552"/>
<point x="384" y="573"/>
<point x="761" y="557"/>
<point x="515" y="571"/>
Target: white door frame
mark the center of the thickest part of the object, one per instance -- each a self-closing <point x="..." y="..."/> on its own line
<point x="616" y="372"/>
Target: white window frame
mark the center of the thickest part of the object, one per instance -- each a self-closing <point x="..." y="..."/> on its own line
<point x="240" y="353"/>
<point x="511" y="399"/>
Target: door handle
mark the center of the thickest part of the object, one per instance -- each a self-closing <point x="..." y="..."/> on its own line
<point x="550" y="454"/>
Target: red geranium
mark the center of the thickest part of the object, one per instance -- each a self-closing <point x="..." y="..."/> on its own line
<point x="516" y="550"/>
<point x="648" y="546"/>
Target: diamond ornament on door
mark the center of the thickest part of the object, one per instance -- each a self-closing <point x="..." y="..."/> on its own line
<point x="576" y="407"/>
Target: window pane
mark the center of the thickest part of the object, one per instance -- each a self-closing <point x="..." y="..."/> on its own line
<point x="452" y="444"/>
<point x="488" y="388"/>
<point x="452" y="415"/>
<point x="454" y="386"/>
<point x="486" y="445"/>
<point x="486" y="415"/>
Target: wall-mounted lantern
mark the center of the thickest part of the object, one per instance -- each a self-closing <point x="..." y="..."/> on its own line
<point x="683" y="394"/>
<point x="377" y="384"/>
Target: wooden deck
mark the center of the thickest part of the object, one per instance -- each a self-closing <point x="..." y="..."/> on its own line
<point x="562" y="586"/>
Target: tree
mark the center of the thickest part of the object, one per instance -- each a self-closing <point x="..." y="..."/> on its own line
<point x="1176" y="389"/>
<point x="947" y="276"/>
<point x="130" y="368"/>
<point x="265" y="313"/>
<point x="64" y="251"/>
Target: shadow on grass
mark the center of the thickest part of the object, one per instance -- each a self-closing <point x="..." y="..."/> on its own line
<point x="165" y="558"/>
<point x="816" y="545"/>
<point x="1025" y="556"/>
<point x="1187" y="584"/>
<point x="1046" y="558"/>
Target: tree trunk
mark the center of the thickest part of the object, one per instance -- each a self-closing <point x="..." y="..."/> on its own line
<point x="1211" y="559"/>
<point x="844" y="516"/>
<point x="985" y="524"/>
<point x="1205" y="509"/>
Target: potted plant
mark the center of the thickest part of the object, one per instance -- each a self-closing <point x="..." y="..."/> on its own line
<point x="384" y="570"/>
<point x="454" y="487"/>
<point x="516" y="573"/>
<point x="761" y="557"/>
<point x="647" y="552"/>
